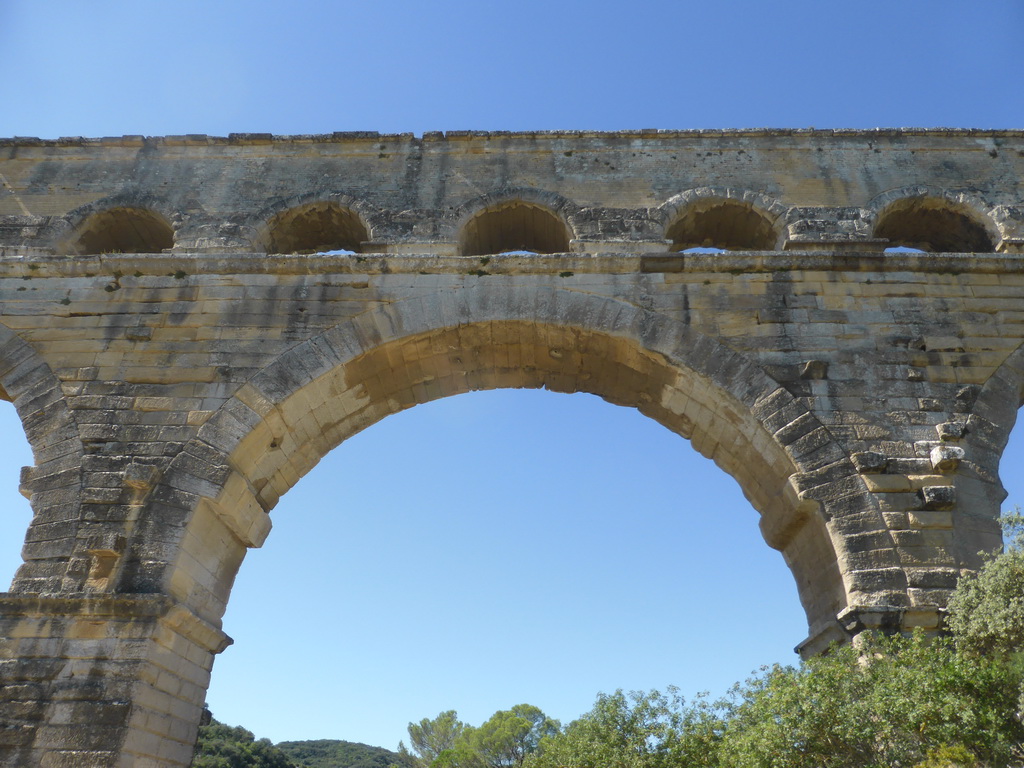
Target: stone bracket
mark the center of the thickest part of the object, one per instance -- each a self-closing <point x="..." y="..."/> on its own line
<point x="870" y="462"/>
<point x="853" y="620"/>
<point x="951" y="431"/>
<point x="946" y="458"/>
<point x="238" y="507"/>
<point x="28" y="474"/>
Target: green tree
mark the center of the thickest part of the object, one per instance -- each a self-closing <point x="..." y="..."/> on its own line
<point x="636" y="730"/>
<point x="986" y="611"/>
<point x="510" y="735"/>
<point x="431" y="738"/>
<point x="890" y="702"/>
<point x="885" y="702"/>
<point x="502" y="742"/>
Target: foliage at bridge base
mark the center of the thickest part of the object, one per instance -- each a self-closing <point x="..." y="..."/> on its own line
<point x="884" y="701"/>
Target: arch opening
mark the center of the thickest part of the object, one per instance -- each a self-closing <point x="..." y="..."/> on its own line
<point x="1010" y="464"/>
<point x="545" y="530"/>
<point x="121" y="230"/>
<point x="903" y="249"/>
<point x="722" y="224"/>
<point x="316" y="228"/>
<point x="304" y="426"/>
<point x="514" y="226"/>
<point x="934" y="225"/>
<point x="15" y="452"/>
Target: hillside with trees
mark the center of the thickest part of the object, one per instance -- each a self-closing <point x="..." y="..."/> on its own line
<point x="332" y="753"/>
<point x="224" y="746"/>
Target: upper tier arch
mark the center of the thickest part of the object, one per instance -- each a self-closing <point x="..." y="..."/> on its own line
<point x="723" y="217"/>
<point x="816" y="190"/>
<point x="934" y="220"/>
<point x="515" y="220"/>
<point x="315" y="223"/>
<point x="117" y="226"/>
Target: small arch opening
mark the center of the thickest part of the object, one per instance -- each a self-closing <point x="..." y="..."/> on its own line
<point x="1009" y="468"/>
<point x="322" y="227"/>
<point x="933" y="225"/>
<point x="703" y="249"/>
<point x="514" y="227"/>
<point x="722" y="224"/>
<point x="903" y="249"/>
<point x="121" y="230"/>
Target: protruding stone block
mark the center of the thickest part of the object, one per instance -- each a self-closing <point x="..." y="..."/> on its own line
<point x="938" y="497"/>
<point x="108" y="543"/>
<point x="870" y="462"/>
<point x="946" y="458"/>
<point x="25" y="481"/>
<point x="951" y="431"/>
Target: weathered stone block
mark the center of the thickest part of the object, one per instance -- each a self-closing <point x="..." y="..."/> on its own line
<point x="938" y="497"/>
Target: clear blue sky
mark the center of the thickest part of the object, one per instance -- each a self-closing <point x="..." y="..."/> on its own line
<point x="502" y="547"/>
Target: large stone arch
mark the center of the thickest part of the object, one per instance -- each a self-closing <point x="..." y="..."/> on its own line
<point x="56" y="556"/>
<point x="214" y="498"/>
<point x="907" y="362"/>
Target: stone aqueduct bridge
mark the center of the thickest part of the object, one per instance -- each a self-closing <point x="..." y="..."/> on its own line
<point x="181" y="351"/>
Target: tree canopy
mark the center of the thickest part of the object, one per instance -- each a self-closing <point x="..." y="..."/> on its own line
<point x="224" y="746"/>
<point x="884" y="702"/>
<point x="503" y="741"/>
<point x="430" y="738"/>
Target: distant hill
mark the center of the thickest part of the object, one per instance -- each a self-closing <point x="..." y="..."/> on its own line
<point x="225" y="746"/>
<point x="331" y="753"/>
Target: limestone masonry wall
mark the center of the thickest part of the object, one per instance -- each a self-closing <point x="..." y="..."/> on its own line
<point x="188" y="324"/>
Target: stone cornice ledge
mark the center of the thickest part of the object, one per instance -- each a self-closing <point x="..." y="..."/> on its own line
<point x="197" y="139"/>
<point x="22" y="262"/>
<point x="141" y="607"/>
